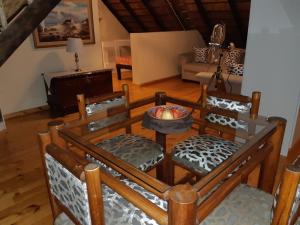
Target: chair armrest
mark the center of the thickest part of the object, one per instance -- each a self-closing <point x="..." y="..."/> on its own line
<point x="185" y="58"/>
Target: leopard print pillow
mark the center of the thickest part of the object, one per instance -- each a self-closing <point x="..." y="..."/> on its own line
<point x="236" y="69"/>
<point x="201" y="55"/>
<point x="235" y="56"/>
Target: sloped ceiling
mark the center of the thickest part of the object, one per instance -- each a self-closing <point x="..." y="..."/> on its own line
<point x="23" y="24"/>
<point x="170" y="15"/>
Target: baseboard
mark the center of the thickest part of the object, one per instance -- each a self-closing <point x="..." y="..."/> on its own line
<point x="26" y="112"/>
<point x="160" y="80"/>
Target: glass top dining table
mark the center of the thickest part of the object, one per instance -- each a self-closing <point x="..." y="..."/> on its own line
<point x="256" y="146"/>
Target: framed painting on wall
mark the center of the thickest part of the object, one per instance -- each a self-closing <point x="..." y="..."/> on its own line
<point x="70" y="18"/>
<point x="2" y="123"/>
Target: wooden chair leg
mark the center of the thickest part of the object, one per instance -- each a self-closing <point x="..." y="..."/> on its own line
<point x="270" y="164"/>
<point x="53" y="127"/>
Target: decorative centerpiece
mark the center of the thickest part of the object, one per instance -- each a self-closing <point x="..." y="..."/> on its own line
<point x="168" y="112"/>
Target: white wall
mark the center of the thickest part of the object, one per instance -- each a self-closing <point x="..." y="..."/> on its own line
<point x="110" y="27"/>
<point x="272" y="60"/>
<point x="21" y="84"/>
<point x="155" y="55"/>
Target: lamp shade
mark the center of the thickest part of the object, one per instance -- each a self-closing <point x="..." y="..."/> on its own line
<point x="74" y="45"/>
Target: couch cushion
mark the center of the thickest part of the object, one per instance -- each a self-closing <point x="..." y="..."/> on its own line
<point x="201" y="54"/>
<point x="235" y="56"/>
<point x="236" y="69"/>
<point x="196" y="67"/>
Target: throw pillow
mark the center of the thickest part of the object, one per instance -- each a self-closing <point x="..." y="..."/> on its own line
<point x="236" y="69"/>
<point x="201" y="54"/>
<point x="235" y="56"/>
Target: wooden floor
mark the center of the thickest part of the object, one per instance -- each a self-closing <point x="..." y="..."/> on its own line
<point x="23" y="197"/>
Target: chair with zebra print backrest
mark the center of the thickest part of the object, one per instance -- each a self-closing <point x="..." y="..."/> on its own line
<point x="204" y="152"/>
<point x="82" y="193"/>
<point x="141" y="152"/>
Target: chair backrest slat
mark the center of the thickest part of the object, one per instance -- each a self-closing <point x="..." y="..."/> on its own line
<point x="224" y="109"/>
<point x="105" y="110"/>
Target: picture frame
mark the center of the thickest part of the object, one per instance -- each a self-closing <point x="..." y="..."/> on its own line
<point x="2" y="122"/>
<point x="70" y="18"/>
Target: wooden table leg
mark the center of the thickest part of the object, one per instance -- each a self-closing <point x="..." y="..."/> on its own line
<point x="119" y="71"/>
<point x="162" y="169"/>
<point x="162" y="172"/>
<point x="270" y="164"/>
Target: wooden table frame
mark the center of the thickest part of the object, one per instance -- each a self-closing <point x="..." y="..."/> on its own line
<point x="264" y="149"/>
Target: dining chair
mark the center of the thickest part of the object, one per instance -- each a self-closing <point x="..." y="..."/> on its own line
<point x="81" y="193"/>
<point x="78" y="196"/>
<point x="219" y="116"/>
<point x="247" y="205"/>
<point x="141" y="152"/>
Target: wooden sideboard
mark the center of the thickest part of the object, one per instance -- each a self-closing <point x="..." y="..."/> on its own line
<point x="62" y="88"/>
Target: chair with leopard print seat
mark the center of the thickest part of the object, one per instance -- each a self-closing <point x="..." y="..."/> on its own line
<point x="80" y="193"/>
<point x="204" y="152"/>
<point x="139" y="151"/>
<point x="246" y="205"/>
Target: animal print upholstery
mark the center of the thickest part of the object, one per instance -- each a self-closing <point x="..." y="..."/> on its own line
<point x="119" y="211"/>
<point x="201" y="55"/>
<point x="102" y="106"/>
<point x="139" y="151"/>
<point x="203" y="153"/>
<point x="68" y="189"/>
<point x="236" y="69"/>
<point x="103" y="166"/>
<point x="228" y="105"/>
<point x="243" y="206"/>
<point x="94" y="108"/>
<point x="72" y="193"/>
<point x="235" y="56"/>
<point x="96" y="125"/>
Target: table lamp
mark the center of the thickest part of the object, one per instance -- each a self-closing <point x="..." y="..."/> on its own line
<point x="74" y="45"/>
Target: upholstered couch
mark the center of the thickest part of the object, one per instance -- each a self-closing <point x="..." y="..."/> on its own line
<point x="202" y="72"/>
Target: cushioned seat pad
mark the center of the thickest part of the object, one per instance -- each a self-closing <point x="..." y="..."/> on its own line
<point x="203" y="153"/>
<point x="139" y="151"/>
<point x="243" y="206"/>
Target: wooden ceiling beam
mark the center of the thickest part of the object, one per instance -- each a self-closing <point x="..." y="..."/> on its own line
<point x="238" y="20"/>
<point x="154" y="15"/>
<point x="133" y="15"/>
<point x="175" y="12"/>
<point x="203" y="14"/>
<point x="205" y="18"/>
<point x="20" y="28"/>
<point x="115" y="13"/>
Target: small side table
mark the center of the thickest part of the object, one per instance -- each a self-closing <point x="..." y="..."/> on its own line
<point x="167" y="126"/>
<point x="162" y="128"/>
